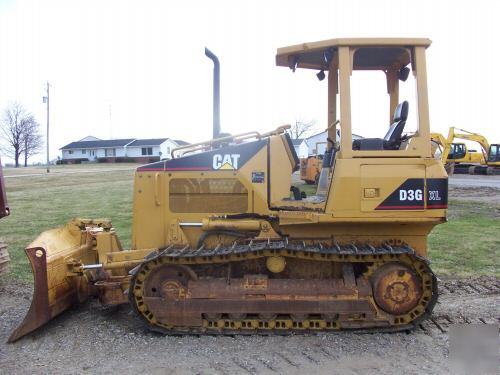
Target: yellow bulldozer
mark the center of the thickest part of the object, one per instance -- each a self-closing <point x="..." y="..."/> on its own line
<point x="222" y="242"/>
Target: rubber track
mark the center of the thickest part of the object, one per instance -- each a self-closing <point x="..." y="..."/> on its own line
<point x="355" y="253"/>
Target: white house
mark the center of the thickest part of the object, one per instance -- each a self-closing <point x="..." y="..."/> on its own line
<point x="139" y="150"/>
<point x="161" y="147"/>
<point x="301" y="148"/>
<point x="317" y="143"/>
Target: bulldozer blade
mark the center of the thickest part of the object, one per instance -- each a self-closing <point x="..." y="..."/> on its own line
<point x="55" y="290"/>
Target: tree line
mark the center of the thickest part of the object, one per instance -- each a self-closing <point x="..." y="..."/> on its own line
<point x="20" y="136"/>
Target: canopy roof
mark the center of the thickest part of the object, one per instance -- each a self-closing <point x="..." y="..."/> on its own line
<point x="379" y="53"/>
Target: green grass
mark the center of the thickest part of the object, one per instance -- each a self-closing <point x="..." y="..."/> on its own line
<point x="41" y="202"/>
<point x="65" y="167"/>
<point x="469" y="244"/>
<point x="308" y="189"/>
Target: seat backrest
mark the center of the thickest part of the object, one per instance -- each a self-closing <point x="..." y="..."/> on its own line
<point x="399" y="121"/>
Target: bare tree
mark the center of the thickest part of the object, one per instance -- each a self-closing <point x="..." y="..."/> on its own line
<point x="19" y="132"/>
<point x="11" y="130"/>
<point x="300" y="128"/>
<point x="33" y="141"/>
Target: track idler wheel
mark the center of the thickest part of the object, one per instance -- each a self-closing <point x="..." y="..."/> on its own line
<point x="396" y="288"/>
<point x="154" y="286"/>
<point x="169" y="282"/>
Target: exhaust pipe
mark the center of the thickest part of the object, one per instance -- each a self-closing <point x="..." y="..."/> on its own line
<point x="216" y="94"/>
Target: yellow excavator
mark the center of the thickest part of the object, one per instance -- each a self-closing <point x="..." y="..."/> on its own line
<point x="456" y="152"/>
<point x="458" y="159"/>
<point x="4" y="211"/>
<point x="490" y="164"/>
<point x="222" y="243"/>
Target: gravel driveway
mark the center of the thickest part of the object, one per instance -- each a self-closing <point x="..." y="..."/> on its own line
<point x="90" y="339"/>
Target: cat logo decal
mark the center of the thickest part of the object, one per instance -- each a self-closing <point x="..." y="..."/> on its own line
<point x="225" y="161"/>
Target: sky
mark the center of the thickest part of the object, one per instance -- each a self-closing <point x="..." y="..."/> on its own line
<point x="121" y="69"/>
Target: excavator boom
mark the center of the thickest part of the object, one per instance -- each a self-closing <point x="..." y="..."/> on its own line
<point x="469" y="136"/>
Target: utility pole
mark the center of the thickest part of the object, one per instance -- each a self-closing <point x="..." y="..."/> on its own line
<point x="46" y="100"/>
<point x="110" y="123"/>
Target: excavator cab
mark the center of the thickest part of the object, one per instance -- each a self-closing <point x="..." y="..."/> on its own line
<point x="494" y="154"/>
<point x="457" y="151"/>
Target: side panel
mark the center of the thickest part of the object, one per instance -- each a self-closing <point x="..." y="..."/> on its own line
<point x="196" y="187"/>
<point x="148" y="227"/>
<point x="392" y="187"/>
<point x="388" y="188"/>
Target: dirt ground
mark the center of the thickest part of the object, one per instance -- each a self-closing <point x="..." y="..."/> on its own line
<point x="466" y="180"/>
<point x="90" y="339"/>
<point x="482" y="194"/>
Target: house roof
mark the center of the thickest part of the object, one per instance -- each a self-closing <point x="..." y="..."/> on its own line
<point x="147" y="142"/>
<point x="181" y="142"/>
<point x="297" y="142"/>
<point x="129" y="142"/>
<point x="98" y="144"/>
<point x="89" y="138"/>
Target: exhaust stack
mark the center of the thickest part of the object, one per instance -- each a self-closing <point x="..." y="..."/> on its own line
<point x="216" y="94"/>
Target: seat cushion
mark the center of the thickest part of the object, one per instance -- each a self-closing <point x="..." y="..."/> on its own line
<point x="368" y="144"/>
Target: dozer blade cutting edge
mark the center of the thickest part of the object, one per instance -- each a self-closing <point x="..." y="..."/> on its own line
<point x="54" y="292"/>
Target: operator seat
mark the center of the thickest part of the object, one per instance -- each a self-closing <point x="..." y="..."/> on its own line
<point x="393" y="138"/>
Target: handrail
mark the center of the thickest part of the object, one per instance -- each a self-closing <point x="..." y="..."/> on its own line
<point x="279" y="130"/>
<point x="238" y="137"/>
<point x="335" y="123"/>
